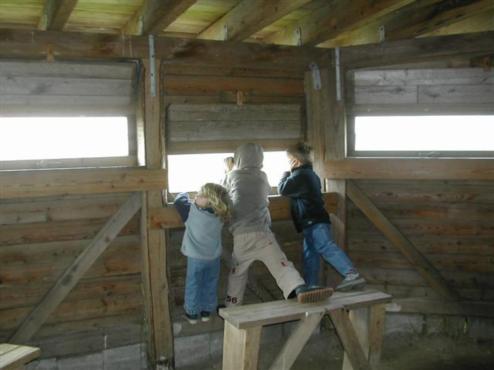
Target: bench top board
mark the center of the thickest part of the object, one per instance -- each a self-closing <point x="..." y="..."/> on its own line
<point x="281" y="311"/>
<point x="13" y="356"/>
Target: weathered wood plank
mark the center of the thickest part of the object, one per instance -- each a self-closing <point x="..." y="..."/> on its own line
<point x="56" y="13"/>
<point x="411" y="169"/>
<point x="426" y="269"/>
<point x="454" y="94"/>
<point x="241" y="347"/>
<point x="14" y="357"/>
<point x="296" y="342"/>
<point x="73" y="274"/>
<point x="39" y="183"/>
<point x="385" y="95"/>
<point x="244" y="20"/>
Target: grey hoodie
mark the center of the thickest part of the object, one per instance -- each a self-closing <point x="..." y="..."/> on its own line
<point x="249" y="190"/>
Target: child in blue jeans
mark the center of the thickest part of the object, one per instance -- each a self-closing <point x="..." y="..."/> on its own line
<point x="303" y="186"/>
<point x="201" y="244"/>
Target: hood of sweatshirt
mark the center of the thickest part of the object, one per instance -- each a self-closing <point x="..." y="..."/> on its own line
<point x="249" y="155"/>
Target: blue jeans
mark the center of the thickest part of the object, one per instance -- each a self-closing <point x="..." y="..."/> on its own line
<point x="319" y="242"/>
<point x="201" y="285"/>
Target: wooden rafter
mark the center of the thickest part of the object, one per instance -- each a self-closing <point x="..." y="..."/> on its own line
<point x="76" y="270"/>
<point x="332" y="19"/>
<point x="426" y="19"/>
<point x="55" y="14"/>
<point x="248" y="17"/>
<point x="411" y="253"/>
<point x="155" y="15"/>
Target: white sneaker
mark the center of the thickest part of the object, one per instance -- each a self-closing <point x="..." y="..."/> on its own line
<point x="351" y="281"/>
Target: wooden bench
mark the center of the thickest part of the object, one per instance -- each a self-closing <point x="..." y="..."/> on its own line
<point x="14" y="357"/>
<point x="357" y="316"/>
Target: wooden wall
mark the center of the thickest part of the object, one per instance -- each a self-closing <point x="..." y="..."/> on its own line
<point x="39" y="238"/>
<point x="450" y="222"/>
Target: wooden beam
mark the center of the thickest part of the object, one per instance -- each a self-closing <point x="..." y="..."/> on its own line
<point x="350" y="340"/>
<point x="41" y="183"/>
<point x="84" y="46"/>
<point x="241" y="347"/>
<point x="479" y="22"/>
<point x="279" y="208"/>
<point x="155" y="15"/>
<point x="332" y="19"/>
<point x="13" y="357"/>
<point x="76" y="270"/>
<point x="411" y="169"/>
<point x="296" y="342"/>
<point x="248" y="17"/>
<point x="426" y="19"/>
<point x="155" y="266"/>
<point x="411" y="253"/>
<point x="55" y="14"/>
<point x="417" y="50"/>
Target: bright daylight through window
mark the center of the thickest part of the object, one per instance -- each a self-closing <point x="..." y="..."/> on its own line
<point x="424" y="133"/>
<point x="189" y="172"/>
<point x="31" y="138"/>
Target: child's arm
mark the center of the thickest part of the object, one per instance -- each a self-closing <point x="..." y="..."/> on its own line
<point x="182" y="205"/>
<point x="290" y="186"/>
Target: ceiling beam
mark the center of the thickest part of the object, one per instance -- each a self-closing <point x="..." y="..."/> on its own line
<point x="425" y="20"/>
<point x="479" y="22"/>
<point x="155" y="15"/>
<point x="55" y="14"/>
<point x="332" y="19"/>
<point x="248" y="17"/>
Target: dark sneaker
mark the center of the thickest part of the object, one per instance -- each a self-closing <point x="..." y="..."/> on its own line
<point x="306" y="294"/>
<point x="205" y="316"/>
<point x="352" y="281"/>
<point x="192" y="319"/>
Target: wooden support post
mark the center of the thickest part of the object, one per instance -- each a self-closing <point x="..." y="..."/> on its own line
<point x="377" y="314"/>
<point x="412" y="254"/>
<point x="350" y="340"/>
<point x="154" y="274"/>
<point x="241" y="347"/>
<point x="360" y="321"/>
<point x="76" y="270"/>
<point x="296" y="342"/>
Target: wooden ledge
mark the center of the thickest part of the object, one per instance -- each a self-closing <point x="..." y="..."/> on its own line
<point x="282" y="311"/>
<point x="13" y="356"/>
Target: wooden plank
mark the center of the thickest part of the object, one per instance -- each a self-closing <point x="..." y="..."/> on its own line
<point x="350" y="340"/>
<point x="55" y="14"/>
<point x="377" y="315"/>
<point x="40" y="183"/>
<point x="359" y="319"/>
<point x="85" y="46"/>
<point x="241" y="347"/>
<point x="279" y="208"/>
<point x="244" y="19"/>
<point x="386" y="95"/>
<point x="440" y="307"/>
<point x="15" y="357"/>
<point x="421" y="109"/>
<point x="156" y="15"/>
<point x="417" y="50"/>
<point x="155" y="265"/>
<point x="411" y="169"/>
<point x="425" y="268"/>
<point x="456" y="94"/>
<point x="426" y="19"/>
<point x="330" y="20"/>
<point x="296" y="342"/>
<point x="229" y="146"/>
<point x="78" y="268"/>
<point x="282" y="311"/>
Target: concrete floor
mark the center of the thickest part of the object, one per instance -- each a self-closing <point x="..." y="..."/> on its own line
<point x="401" y="352"/>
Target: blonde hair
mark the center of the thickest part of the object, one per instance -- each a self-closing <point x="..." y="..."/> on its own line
<point x="218" y="199"/>
<point x="301" y="151"/>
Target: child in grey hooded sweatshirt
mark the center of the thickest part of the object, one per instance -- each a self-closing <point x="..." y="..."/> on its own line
<point x="252" y="237"/>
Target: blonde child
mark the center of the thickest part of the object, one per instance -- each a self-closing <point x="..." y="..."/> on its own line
<point x="204" y="219"/>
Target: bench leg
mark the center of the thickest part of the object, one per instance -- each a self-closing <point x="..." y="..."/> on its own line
<point x="376" y="330"/>
<point x="355" y="351"/>
<point x="296" y="342"/>
<point x="241" y="347"/>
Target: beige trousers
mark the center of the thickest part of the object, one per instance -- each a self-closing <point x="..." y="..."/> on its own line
<point x="259" y="246"/>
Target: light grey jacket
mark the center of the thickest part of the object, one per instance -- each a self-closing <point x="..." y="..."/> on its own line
<point x="249" y="189"/>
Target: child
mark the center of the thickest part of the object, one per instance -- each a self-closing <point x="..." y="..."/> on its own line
<point x="201" y="244"/>
<point x="252" y="236"/>
<point x="303" y="186"/>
